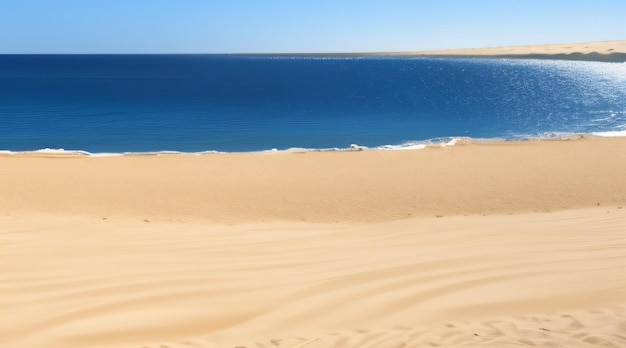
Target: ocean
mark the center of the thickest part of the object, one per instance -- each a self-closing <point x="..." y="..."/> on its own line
<point x="106" y="104"/>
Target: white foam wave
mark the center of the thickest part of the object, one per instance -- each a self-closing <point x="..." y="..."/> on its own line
<point x="621" y="133"/>
<point x="352" y="147"/>
<point x="63" y="152"/>
<point x="543" y="136"/>
<point x="49" y="151"/>
<point x="416" y="145"/>
<point x="406" y="146"/>
<point x="410" y="145"/>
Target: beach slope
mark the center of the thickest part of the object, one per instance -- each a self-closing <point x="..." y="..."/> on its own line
<point x="477" y="244"/>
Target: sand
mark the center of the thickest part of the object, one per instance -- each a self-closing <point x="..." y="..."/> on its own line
<point x="612" y="51"/>
<point x="322" y="187"/>
<point x="480" y="245"/>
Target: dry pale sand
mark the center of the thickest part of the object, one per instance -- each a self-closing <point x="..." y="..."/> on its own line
<point x="601" y="50"/>
<point x="340" y="249"/>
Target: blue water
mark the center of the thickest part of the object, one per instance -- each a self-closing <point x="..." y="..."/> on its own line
<point x="194" y="103"/>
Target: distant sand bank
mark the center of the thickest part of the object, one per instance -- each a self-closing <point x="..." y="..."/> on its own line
<point x="334" y="249"/>
<point x="611" y="51"/>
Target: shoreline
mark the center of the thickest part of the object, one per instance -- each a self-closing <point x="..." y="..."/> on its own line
<point x="410" y="145"/>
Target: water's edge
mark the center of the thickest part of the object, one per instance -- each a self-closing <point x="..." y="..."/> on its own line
<point x="413" y="145"/>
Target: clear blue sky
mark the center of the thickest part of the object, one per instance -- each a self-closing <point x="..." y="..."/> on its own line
<point x="240" y="26"/>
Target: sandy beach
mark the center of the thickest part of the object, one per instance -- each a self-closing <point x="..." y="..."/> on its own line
<point x="477" y="244"/>
<point x="492" y="244"/>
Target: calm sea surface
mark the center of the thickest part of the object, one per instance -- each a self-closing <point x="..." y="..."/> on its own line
<point x="194" y="103"/>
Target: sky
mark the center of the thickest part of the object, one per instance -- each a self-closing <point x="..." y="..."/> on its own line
<point x="300" y="26"/>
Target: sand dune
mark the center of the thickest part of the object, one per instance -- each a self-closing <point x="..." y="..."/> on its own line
<point x="317" y="249"/>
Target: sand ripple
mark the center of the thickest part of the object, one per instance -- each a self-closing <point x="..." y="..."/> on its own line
<point x="543" y="279"/>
